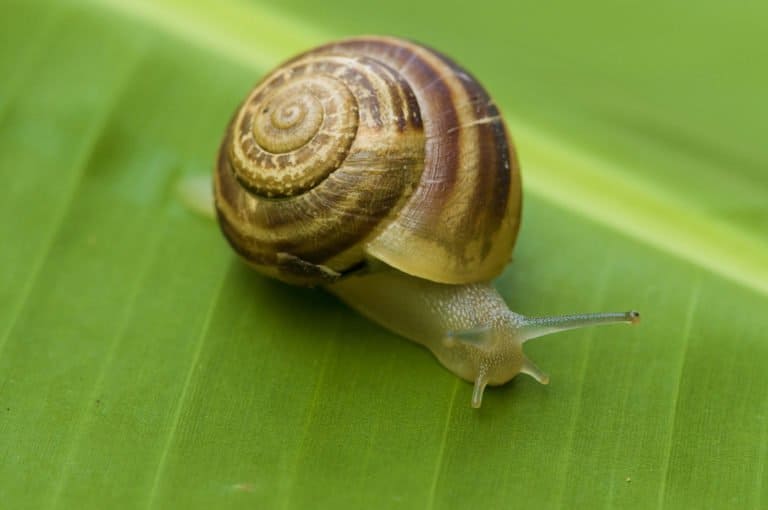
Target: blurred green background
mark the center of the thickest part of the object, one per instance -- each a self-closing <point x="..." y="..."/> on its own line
<point x="143" y="366"/>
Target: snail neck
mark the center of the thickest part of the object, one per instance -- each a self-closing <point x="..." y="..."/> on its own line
<point x="419" y="309"/>
<point x="460" y="324"/>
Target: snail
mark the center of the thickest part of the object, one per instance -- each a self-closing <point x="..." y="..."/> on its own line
<point x="381" y="170"/>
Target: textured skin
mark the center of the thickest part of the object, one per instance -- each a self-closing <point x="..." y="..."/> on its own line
<point x="467" y="327"/>
<point x="407" y="161"/>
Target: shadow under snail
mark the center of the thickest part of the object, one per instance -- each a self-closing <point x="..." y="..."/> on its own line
<point x="381" y="170"/>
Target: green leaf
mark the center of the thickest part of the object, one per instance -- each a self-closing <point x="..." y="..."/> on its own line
<point x="143" y="365"/>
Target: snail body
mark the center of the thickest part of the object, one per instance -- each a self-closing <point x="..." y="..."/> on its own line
<point x="381" y="170"/>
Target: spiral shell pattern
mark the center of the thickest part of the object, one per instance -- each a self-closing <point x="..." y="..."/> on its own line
<point x="293" y="134"/>
<point x="369" y="147"/>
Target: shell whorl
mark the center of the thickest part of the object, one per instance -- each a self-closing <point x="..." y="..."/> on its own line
<point x="292" y="133"/>
<point x="369" y="147"/>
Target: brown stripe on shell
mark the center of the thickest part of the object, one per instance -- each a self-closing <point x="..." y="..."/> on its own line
<point x="392" y="80"/>
<point x="496" y="158"/>
<point x="497" y="153"/>
<point x="367" y="103"/>
<point x="410" y="109"/>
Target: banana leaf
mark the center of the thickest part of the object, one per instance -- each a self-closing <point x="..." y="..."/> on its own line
<point x="142" y="365"/>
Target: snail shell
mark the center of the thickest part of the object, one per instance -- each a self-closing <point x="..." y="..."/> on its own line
<point x="372" y="147"/>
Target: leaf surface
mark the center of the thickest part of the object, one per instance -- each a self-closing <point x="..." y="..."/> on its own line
<point x="143" y="365"/>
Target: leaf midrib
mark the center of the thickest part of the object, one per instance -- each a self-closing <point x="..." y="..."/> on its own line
<point x="633" y="207"/>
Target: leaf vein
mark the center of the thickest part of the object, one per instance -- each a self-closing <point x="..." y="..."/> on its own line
<point x="693" y="303"/>
<point x="441" y="452"/>
<point x="176" y="416"/>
